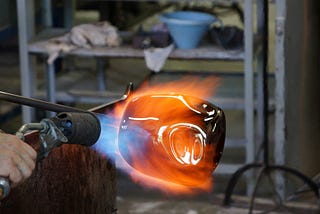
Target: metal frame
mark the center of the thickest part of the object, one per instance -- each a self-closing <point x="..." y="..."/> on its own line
<point x="265" y="166"/>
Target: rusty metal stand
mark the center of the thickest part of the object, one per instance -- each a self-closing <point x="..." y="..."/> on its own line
<point x="265" y="168"/>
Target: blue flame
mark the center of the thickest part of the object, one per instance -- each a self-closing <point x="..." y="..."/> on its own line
<point x="116" y="147"/>
<point x="107" y="142"/>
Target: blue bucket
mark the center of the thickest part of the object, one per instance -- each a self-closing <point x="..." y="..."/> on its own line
<point x="187" y="28"/>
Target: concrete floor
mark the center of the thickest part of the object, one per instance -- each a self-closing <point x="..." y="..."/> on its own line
<point x="133" y="198"/>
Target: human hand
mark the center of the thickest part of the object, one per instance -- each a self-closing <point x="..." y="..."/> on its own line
<point x="17" y="159"/>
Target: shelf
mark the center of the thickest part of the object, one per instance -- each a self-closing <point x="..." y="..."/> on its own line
<point x="204" y="52"/>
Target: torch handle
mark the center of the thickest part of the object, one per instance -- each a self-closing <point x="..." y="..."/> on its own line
<point x="4" y="187"/>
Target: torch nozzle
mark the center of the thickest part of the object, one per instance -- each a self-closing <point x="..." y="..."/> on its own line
<point x="79" y="127"/>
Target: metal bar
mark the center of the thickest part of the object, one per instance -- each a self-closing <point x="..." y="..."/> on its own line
<point x="101" y="108"/>
<point x="51" y="84"/>
<point x="280" y="107"/>
<point x="37" y="103"/>
<point x="69" y="10"/>
<point x="234" y="179"/>
<point x="263" y="169"/>
<point x="262" y="80"/>
<point x="259" y="82"/>
<point x="26" y="74"/>
<point x="248" y="93"/>
<point x="248" y="78"/>
<point x="101" y="77"/>
<point x="265" y="45"/>
<point x="46" y="13"/>
<point x="50" y="76"/>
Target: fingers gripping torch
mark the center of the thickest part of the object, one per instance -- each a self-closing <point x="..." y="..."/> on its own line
<point x="64" y="128"/>
<point x="69" y="126"/>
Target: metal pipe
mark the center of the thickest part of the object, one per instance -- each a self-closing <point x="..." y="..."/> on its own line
<point x="44" y="105"/>
<point x="265" y="110"/>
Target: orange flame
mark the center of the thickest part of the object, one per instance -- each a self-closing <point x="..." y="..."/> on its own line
<point x="172" y="158"/>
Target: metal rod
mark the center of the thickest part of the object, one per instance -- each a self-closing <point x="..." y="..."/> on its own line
<point x="249" y="89"/>
<point x="265" y="45"/>
<point x="44" y="105"/>
<point x="25" y="10"/>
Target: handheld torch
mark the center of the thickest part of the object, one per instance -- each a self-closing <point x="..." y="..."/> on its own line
<point x="69" y="126"/>
<point x="81" y="128"/>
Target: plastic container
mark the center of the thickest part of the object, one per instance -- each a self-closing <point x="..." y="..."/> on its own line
<point x="187" y="28"/>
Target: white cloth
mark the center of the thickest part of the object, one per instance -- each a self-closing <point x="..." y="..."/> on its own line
<point x="83" y="36"/>
<point x="155" y="58"/>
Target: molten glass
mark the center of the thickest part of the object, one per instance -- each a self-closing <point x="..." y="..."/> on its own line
<point x="174" y="141"/>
